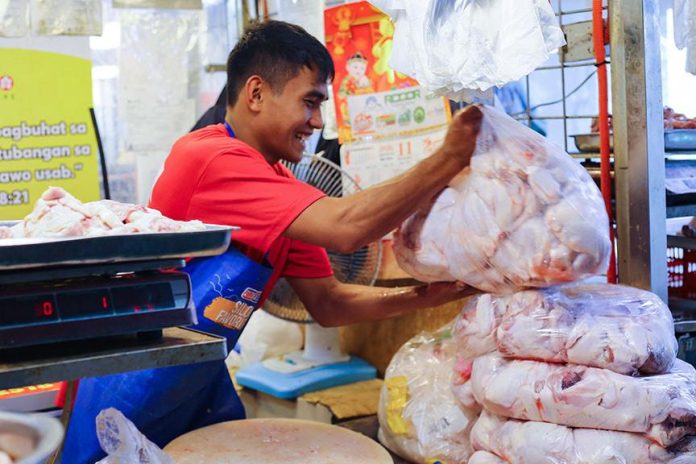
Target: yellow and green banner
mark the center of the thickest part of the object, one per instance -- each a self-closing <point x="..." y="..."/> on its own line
<point x="47" y="137"/>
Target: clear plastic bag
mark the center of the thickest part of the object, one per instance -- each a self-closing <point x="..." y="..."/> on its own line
<point x="539" y="442"/>
<point x="123" y="443"/>
<point x="497" y="41"/>
<point x="419" y="242"/>
<point x="525" y="215"/>
<point x="662" y="407"/>
<point x="685" y="30"/>
<point x="484" y="457"/>
<point x="614" y="327"/>
<point x="420" y="419"/>
<point x="66" y="17"/>
<point x="14" y="18"/>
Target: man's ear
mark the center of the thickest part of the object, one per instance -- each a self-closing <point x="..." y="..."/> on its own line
<point x="253" y="92"/>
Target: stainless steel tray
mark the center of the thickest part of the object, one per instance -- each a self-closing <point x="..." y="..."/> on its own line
<point x="680" y="140"/>
<point x="675" y="140"/>
<point x="589" y="143"/>
<point x="29" y="253"/>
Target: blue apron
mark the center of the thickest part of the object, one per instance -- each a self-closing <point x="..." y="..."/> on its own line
<point x="168" y="402"/>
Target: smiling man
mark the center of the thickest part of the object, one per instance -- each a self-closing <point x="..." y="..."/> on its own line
<point x="230" y="174"/>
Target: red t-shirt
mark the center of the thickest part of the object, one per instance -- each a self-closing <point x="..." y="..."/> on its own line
<point x="220" y="180"/>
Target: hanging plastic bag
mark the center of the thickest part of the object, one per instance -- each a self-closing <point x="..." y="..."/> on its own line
<point x="613" y="327"/>
<point x="420" y="419"/>
<point x="536" y="442"/>
<point x="525" y="215"/>
<point x="14" y="18"/>
<point x="685" y="30"/>
<point x="123" y="443"/>
<point x="495" y="42"/>
<point x="66" y="17"/>
<point x="661" y="407"/>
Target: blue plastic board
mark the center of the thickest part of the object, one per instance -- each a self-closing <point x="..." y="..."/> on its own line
<point x="290" y="386"/>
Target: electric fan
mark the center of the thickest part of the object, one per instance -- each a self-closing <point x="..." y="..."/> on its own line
<point x="321" y="364"/>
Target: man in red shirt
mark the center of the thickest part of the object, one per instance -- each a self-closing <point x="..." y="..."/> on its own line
<point x="277" y="79"/>
<point x="230" y="174"/>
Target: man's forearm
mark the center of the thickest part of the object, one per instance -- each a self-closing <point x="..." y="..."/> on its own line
<point x="347" y="223"/>
<point x="380" y="209"/>
<point x="351" y="304"/>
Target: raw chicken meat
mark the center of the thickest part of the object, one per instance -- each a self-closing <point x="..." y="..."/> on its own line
<point x="517" y="442"/>
<point x="59" y="214"/>
<point x="420" y="419"/>
<point x="663" y="407"/>
<point x="484" y="457"/>
<point x="524" y="214"/>
<point x="615" y="327"/>
<point x="425" y="258"/>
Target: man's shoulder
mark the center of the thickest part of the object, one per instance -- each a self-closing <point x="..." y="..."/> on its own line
<point x="210" y="142"/>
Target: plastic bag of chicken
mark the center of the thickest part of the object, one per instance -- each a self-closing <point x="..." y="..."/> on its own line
<point x="420" y="419"/>
<point x="523" y="214"/>
<point x="509" y="441"/>
<point x="660" y="407"/>
<point x="623" y="329"/>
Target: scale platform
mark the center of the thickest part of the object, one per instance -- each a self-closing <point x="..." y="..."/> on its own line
<point x="290" y="385"/>
<point x="73" y="288"/>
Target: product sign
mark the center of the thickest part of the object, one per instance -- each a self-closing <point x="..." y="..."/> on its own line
<point x="396" y="113"/>
<point x="359" y="38"/>
<point x="46" y="133"/>
<point x="372" y="162"/>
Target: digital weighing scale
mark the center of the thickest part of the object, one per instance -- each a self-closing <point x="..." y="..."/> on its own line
<point x="54" y="290"/>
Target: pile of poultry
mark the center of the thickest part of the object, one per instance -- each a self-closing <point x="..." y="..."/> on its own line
<point x="545" y="367"/>
<point x="59" y="214"/>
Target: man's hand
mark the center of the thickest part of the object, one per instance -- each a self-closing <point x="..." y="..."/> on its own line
<point x="439" y="293"/>
<point x="332" y="303"/>
<point x="460" y="141"/>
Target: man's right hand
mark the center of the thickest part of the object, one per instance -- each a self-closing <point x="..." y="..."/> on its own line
<point x="460" y="141"/>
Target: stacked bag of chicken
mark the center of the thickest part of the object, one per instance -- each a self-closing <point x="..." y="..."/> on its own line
<point x="546" y="366"/>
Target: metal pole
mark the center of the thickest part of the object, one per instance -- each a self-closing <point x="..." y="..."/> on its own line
<point x="638" y="144"/>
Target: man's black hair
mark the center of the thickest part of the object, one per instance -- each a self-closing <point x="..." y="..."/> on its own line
<point x="276" y="51"/>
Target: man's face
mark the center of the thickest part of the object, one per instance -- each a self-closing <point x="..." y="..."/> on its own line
<point x="291" y="117"/>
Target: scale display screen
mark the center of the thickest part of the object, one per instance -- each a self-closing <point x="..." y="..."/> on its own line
<point x="67" y="303"/>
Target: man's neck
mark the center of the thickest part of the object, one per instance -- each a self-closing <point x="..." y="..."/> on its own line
<point x="245" y="132"/>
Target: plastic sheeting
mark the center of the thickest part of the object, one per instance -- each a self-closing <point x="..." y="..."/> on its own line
<point x="523" y="214"/>
<point x="123" y="443"/>
<point x="615" y="327"/>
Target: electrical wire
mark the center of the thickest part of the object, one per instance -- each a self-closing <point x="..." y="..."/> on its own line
<point x="584" y="81"/>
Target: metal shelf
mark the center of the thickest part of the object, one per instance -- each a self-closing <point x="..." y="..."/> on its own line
<point x="89" y="358"/>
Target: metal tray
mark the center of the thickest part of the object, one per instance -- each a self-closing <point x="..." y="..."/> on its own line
<point x="28" y="253"/>
<point x="675" y="140"/>
<point x="680" y="140"/>
<point x="589" y="143"/>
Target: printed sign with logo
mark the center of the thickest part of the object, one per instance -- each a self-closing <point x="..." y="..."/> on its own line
<point x="359" y="38"/>
<point x="396" y="113"/>
<point x="46" y="133"/>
